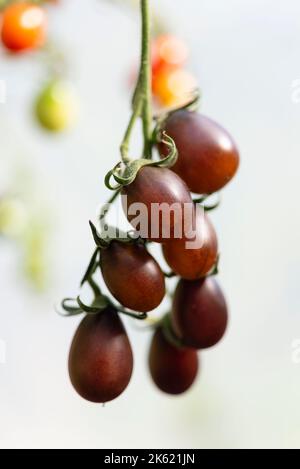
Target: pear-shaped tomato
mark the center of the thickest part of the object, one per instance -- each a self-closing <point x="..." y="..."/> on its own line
<point x="155" y="203"/>
<point x="56" y="107"/>
<point x="101" y="360"/>
<point x="208" y="157"/>
<point x="173" y="369"/>
<point x="133" y="276"/>
<point x="199" y="315"/>
<point x="192" y="258"/>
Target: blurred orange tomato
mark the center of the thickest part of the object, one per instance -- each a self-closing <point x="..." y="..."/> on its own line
<point x="23" y="27"/>
<point x="173" y="87"/>
<point x="168" y="51"/>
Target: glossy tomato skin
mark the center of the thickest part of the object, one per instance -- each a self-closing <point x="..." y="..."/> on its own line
<point x="133" y="276"/>
<point x="100" y="360"/>
<point x="199" y="315"/>
<point x="23" y="27"/>
<point x="208" y="157"/>
<point x="154" y="185"/>
<point x="173" y="369"/>
<point x="194" y="263"/>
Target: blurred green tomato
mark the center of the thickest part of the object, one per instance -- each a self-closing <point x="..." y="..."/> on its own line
<point x="35" y="263"/>
<point x="13" y="217"/>
<point x="56" y="107"/>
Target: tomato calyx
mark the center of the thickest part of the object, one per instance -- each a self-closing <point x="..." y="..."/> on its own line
<point x="75" y="306"/>
<point x="104" y="239"/>
<point x="100" y="303"/>
<point x="125" y="174"/>
<point x="193" y="105"/>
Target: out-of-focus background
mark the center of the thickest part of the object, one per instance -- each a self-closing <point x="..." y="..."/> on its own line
<point x="245" y="55"/>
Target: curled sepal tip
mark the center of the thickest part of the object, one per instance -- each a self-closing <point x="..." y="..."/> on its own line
<point x="208" y="208"/>
<point x="99" y="304"/>
<point x="124" y="175"/>
<point x="69" y="307"/>
<point x="75" y="306"/>
<point x="211" y="207"/>
<point x="131" y="314"/>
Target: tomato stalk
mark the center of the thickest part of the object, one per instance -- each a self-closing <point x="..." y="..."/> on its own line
<point x="146" y="72"/>
<point x="142" y="97"/>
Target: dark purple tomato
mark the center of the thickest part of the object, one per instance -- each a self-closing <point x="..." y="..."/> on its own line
<point x="199" y="314"/>
<point x="100" y="361"/>
<point x="133" y="276"/>
<point x="193" y="258"/>
<point x="208" y="157"/>
<point x="152" y="187"/>
<point x="173" y="369"/>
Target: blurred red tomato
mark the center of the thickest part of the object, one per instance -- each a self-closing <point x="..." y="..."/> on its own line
<point x="23" y="27"/>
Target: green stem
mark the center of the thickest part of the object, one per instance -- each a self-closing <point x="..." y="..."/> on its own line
<point x="124" y="148"/>
<point x="146" y="79"/>
<point x="94" y="287"/>
<point x="113" y="197"/>
<point x="142" y="97"/>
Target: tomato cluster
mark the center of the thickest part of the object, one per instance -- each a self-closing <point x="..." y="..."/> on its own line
<point x="194" y="155"/>
<point x="101" y="356"/>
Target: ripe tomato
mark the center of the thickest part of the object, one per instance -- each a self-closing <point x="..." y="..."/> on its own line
<point x="133" y="276"/>
<point x="173" y="369"/>
<point x="199" y="314"/>
<point x="168" y="50"/>
<point x="173" y="87"/>
<point x="208" y="157"/>
<point x="101" y="360"/>
<point x="23" y="27"/>
<point x="152" y="187"/>
<point x="187" y="260"/>
<point x="56" y="107"/>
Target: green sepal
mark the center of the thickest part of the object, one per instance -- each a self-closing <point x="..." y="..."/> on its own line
<point x="126" y="174"/>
